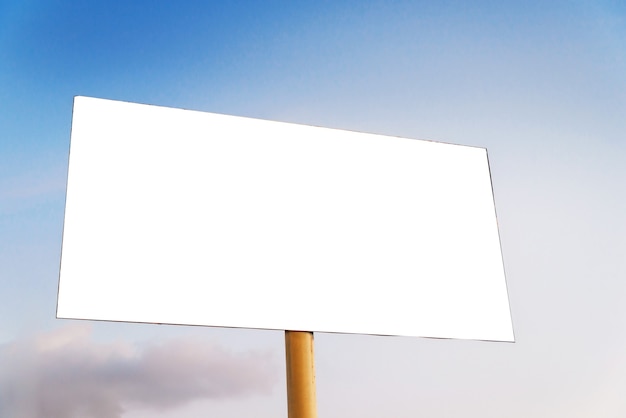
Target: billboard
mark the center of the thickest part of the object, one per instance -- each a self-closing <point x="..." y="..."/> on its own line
<point x="185" y="217"/>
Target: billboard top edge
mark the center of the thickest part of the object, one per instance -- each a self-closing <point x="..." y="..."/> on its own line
<point x="90" y="98"/>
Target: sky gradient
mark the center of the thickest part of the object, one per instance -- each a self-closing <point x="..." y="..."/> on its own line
<point x="541" y="85"/>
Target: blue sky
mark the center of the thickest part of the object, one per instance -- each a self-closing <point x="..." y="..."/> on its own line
<point x="541" y="85"/>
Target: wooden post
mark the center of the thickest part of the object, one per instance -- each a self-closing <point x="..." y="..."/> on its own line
<point x="301" y="399"/>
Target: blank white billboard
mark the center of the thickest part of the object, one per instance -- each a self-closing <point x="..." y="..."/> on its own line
<point x="185" y="217"/>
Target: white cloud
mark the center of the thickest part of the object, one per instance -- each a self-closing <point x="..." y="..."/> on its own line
<point x="63" y="374"/>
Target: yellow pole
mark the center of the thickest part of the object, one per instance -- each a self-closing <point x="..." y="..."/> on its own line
<point x="301" y="400"/>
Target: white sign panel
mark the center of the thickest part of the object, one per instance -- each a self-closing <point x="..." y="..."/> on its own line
<point x="184" y="217"/>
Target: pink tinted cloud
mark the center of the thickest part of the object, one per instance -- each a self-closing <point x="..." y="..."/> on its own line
<point x="63" y="374"/>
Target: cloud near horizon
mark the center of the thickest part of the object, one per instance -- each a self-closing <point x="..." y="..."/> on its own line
<point x="63" y="374"/>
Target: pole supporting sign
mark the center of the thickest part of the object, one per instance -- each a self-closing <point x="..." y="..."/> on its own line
<point x="192" y="218"/>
